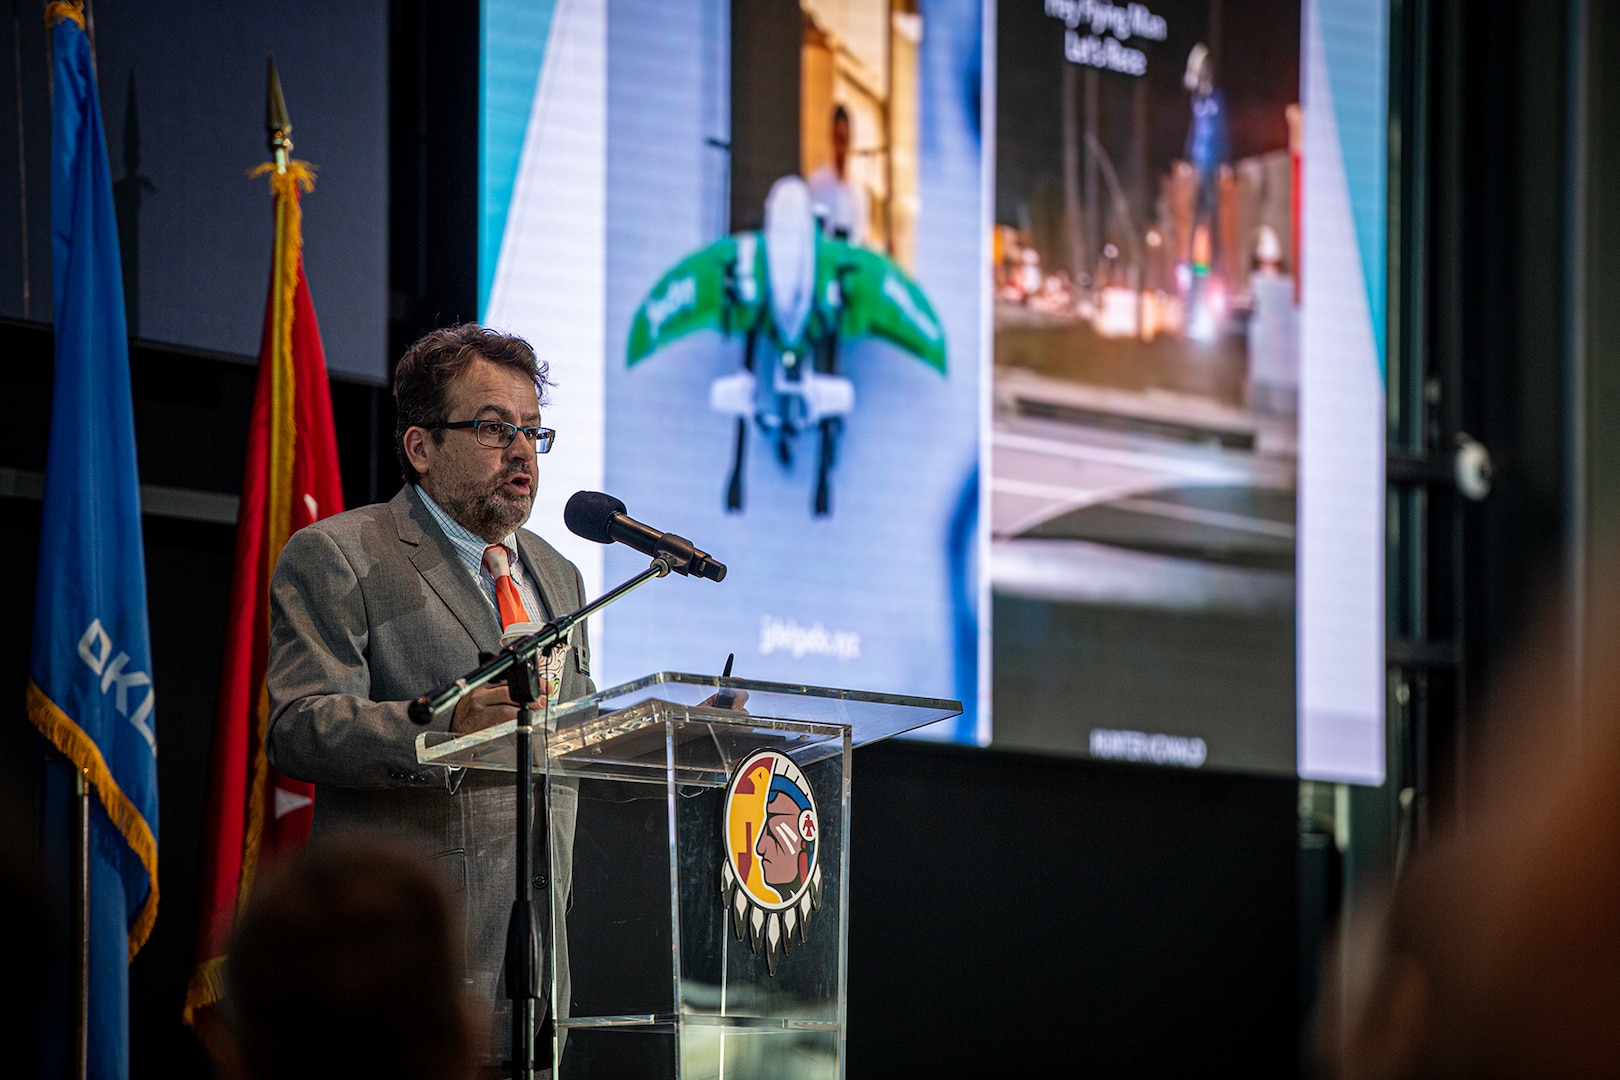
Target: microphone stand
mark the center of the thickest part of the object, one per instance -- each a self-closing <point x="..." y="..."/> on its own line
<point x="519" y="665"/>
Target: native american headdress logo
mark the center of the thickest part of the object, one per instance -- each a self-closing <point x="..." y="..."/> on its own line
<point x="771" y="880"/>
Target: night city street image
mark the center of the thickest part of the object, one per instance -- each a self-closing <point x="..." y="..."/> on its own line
<point x="1146" y="378"/>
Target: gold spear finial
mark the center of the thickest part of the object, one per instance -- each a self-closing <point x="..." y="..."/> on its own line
<point x="275" y="118"/>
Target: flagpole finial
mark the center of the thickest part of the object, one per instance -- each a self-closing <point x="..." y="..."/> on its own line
<point x="275" y="119"/>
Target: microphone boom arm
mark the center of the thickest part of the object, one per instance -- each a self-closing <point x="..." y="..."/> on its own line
<point x="522" y="651"/>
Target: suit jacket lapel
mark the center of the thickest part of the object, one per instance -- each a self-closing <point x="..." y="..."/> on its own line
<point x="430" y="552"/>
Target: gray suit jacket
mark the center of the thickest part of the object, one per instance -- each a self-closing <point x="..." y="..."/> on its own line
<point x="370" y="609"/>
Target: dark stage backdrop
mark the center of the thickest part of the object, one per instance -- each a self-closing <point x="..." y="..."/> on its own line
<point x="183" y="100"/>
<point x="1021" y="915"/>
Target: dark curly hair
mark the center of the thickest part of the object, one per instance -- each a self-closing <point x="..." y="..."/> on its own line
<point x="424" y="374"/>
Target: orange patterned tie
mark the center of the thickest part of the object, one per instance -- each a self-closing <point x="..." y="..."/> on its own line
<point x="507" y="598"/>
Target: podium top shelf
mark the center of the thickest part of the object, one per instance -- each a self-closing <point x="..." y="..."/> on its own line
<point x="870" y="716"/>
<point x="608" y="729"/>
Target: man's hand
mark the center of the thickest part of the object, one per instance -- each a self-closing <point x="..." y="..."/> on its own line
<point x="490" y="705"/>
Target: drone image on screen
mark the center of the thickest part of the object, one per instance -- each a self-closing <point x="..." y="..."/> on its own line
<point x="797" y="297"/>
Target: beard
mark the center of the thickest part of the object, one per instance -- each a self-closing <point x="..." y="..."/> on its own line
<point x="485" y="508"/>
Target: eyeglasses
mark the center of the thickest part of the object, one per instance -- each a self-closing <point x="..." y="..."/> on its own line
<point x="498" y="434"/>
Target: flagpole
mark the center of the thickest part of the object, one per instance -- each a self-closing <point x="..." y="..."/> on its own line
<point x="50" y="69"/>
<point x="256" y="814"/>
<point x="277" y="121"/>
<point x="90" y="622"/>
<point x="22" y="156"/>
<point x="81" y="923"/>
<point x="81" y="791"/>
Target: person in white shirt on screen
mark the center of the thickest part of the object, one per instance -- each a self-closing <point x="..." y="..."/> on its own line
<point x="839" y="205"/>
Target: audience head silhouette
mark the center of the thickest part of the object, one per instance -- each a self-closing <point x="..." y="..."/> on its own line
<point x="345" y="962"/>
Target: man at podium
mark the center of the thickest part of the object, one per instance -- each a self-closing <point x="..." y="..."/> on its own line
<point x="374" y="607"/>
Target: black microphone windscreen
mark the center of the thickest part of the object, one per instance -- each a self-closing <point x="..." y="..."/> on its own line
<point x="588" y="514"/>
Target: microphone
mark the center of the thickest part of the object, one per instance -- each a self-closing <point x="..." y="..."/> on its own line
<point x="601" y="518"/>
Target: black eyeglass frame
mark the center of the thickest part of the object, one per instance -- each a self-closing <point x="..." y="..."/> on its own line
<point x="541" y="437"/>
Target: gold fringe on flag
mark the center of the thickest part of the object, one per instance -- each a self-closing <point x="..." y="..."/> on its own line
<point x="207" y="988"/>
<point x="57" y="10"/>
<point x="85" y="755"/>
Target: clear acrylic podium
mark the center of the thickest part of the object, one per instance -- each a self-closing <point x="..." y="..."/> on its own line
<point x="707" y="933"/>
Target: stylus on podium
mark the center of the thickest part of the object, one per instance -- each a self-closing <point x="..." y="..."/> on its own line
<point x="724" y="699"/>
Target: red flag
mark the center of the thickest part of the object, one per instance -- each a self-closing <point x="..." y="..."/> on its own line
<point x="291" y="479"/>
